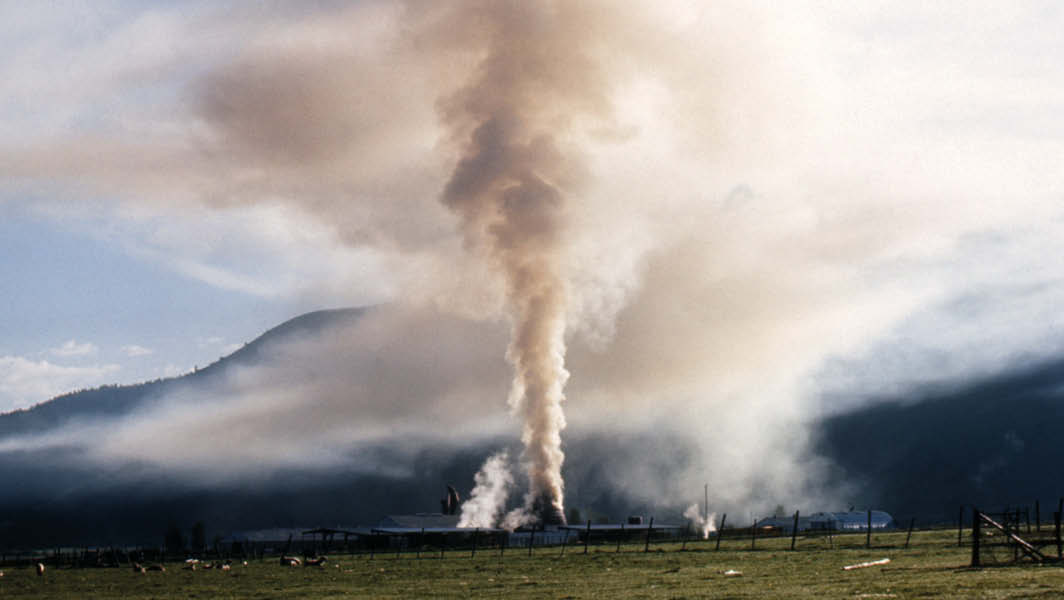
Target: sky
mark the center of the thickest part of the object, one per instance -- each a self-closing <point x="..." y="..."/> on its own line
<point x="779" y="209"/>
<point x="93" y="300"/>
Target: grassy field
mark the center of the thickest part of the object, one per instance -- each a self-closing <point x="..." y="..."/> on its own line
<point x="932" y="567"/>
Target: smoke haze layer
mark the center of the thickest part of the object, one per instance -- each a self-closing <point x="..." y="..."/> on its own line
<point x="708" y="214"/>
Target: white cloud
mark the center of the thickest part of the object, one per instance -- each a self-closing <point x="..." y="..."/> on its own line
<point x="73" y="348"/>
<point x="133" y="350"/>
<point x="24" y="382"/>
<point x="267" y="250"/>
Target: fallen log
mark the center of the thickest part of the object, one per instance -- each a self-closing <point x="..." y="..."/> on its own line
<point x="864" y="565"/>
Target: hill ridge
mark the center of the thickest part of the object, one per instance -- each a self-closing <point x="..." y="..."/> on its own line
<point x="118" y="399"/>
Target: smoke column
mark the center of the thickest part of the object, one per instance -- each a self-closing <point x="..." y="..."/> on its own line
<point x="486" y="503"/>
<point x="703" y="524"/>
<point x="509" y="189"/>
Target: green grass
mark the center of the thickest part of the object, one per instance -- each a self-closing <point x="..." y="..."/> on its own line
<point x="933" y="567"/>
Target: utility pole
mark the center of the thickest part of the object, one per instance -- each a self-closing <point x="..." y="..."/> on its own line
<point x="705" y="505"/>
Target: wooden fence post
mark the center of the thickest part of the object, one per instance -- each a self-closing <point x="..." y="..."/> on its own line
<point x="720" y="530"/>
<point x="868" y="534"/>
<point x="1006" y="517"/>
<point x="620" y="538"/>
<point x="753" y="535"/>
<point x="1016" y="547"/>
<point x="912" y="520"/>
<point x="531" y="539"/>
<point x="476" y="533"/>
<point x="650" y="528"/>
<point x="794" y="530"/>
<point x="1056" y="532"/>
<point x="975" y="537"/>
<point x="587" y="535"/>
<point x="960" y="525"/>
<point x="1037" y="517"/>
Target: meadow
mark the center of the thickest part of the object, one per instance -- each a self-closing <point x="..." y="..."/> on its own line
<point x="933" y="566"/>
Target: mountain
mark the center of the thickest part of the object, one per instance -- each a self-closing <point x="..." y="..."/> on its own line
<point x="49" y="497"/>
<point x="991" y="443"/>
<point x="117" y="400"/>
<point x="52" y="497"/>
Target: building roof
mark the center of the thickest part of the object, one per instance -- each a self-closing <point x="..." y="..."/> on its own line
<point x="327" y="531"/>
<point x="784" y="522"/>
<point x="620" y="527"/>
<point x="276" y="534"/>
<point x="412" y="530"/>
<point x="878" y="516"/>
<point x="419" y="521"/>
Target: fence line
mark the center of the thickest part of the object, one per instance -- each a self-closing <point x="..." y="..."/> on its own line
<point x="381" y="547"/>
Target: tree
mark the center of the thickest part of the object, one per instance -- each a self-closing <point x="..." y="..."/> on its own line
<point x="574" y="515"/>
<point x="172" y="539"/>
<point x="199" y="536"/>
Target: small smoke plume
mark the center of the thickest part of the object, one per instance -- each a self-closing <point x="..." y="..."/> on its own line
<point x="702" y="523"/>
<point x="488" y="500"/>
<point x="518" y="517"/>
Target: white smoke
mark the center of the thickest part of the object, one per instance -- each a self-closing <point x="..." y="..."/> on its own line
<point x="705" y="524"/>
<point x="488" y="499"/>
<point x="718" y="198"/>
<point x="519" y="517"/>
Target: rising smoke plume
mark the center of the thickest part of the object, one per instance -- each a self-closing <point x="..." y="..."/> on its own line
<point x="511" y="188"/>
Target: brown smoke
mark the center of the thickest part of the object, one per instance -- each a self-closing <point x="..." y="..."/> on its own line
<point x="511" y="188"/>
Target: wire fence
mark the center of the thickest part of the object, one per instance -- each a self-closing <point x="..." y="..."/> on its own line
<point x="470" y="544"/>
<point x="1001" y="536"/>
